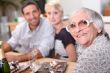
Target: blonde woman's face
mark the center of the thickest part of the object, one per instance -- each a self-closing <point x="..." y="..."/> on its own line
<point x="54" y="15"/>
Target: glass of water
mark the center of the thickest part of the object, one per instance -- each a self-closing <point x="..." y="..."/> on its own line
<point x="33" y="64"/>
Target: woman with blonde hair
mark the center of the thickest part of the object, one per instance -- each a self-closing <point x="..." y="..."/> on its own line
<point x="64" y="43"/>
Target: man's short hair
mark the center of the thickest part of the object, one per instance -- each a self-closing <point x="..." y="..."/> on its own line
<point x="29" y="2"/>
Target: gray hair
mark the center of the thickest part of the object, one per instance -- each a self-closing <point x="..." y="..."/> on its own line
<point x="94" y="17"/>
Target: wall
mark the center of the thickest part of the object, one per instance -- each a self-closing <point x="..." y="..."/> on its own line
<point x="107" y="28"/>
<point x="92" y="4"/>
<point x="71" y="5"/>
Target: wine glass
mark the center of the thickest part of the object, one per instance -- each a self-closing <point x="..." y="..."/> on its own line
<point x="33" y="64"/>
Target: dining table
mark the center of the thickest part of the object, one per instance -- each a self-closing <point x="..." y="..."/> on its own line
<point x="69" y="68"/>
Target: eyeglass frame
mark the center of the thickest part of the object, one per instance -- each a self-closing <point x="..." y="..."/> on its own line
<point x="88" y="22"/>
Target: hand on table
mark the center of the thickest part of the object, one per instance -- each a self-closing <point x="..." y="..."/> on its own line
<point x="12" y="56"/>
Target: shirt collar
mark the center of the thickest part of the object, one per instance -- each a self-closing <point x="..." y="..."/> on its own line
<point x="28" y="29"/>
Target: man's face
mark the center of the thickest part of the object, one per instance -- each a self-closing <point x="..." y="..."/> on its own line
<point x="32" y="14"/>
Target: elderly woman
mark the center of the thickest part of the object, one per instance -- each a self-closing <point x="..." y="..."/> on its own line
<point x="64" y="43"/>
<point x="93" y="45"/>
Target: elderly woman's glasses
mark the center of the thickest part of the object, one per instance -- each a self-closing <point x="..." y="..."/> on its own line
<point x="83" y="24"/>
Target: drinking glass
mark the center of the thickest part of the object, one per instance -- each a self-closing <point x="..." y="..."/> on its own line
<point x="33" y="64"/>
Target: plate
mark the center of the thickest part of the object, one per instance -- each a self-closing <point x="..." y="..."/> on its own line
<point x="53" y="67"/>
<point x="23" y="66"/>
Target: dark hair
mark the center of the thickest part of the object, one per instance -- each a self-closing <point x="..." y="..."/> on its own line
<point x="29" y="2"/>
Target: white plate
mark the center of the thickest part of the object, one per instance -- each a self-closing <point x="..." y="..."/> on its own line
<point x="24" y="65"/>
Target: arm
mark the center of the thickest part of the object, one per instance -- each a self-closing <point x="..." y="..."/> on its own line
<point x="6" y="47"/>
<point x="86" y="64"/>
<point x="93" y="61"/>
<point x="69" y="44"/>
<point x="29" y="56"/>
<point x="13" y="41"/>
<point x="13" y="56"/>
<point x="71" y="52"/>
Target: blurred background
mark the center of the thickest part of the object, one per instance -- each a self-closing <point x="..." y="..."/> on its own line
<point x="10" y="9"/>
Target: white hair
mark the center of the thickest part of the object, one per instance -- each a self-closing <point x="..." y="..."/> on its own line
<point x="93" y="16"/>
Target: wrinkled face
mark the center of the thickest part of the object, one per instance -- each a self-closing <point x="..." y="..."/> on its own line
<point x="32" y="14"/>
<point x="54" y="15"/>
<point x="82" y="29"/>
